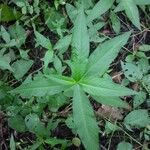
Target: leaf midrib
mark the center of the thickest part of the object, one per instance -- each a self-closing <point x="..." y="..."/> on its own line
<point x="25" y="89"/>
<point x="95" y="64"/>
<point x="96" y="87"/>
<point x="84" y="120"/>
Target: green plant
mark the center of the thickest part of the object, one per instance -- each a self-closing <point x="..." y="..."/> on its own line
<point x="26" y="7"/>
<point x="131" y="9"/>
<point x="8" y="14"/>
<point x="60" y="75"/>
<point x="136" y="69"/>
<point x="124" y="145"/>
<point x="87" y="77"/>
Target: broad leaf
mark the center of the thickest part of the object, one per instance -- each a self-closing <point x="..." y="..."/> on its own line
<point x="18" y="33"/>
<point x="12" y="43"/>
<point x="21" y="67"/>
<point x="53" y="19"/>
<point x="39" y="87"/>
<point x="144" y="48"/>
<point x="32" y="121"/>
<point x="3" y="91"/>
<point x="84" y="119"/>
<point x="24" y="54"/>
<point x="55" y="102"/>
<point x="111" y="101"/>
<point x="17" y="123"/>
<point x="111" y="127"/>
<point x="139" y="99"/>
<point x="132" y="72"/>
<point x="80" y="37"/>
<point x="104" y="87"/>
<point x="34" y="125"/>
<point x="124" y="146"/>
<point x="137" y="118"/>
<point x="104" y="54"/>
<point x="7" y="13"/>
<point x="143" y="65"/>
<point x="5" y="62"/>
<point x="101" y="7"/>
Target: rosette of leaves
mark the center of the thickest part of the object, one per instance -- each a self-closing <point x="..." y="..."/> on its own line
<point x="86" y="78"/>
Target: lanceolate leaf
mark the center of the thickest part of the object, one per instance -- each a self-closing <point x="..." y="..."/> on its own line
<point x="104" y="87"/>
<point x="115" y="22"/>
<point x="101" y="58"/>
<point x="142" y="2"/>
<point x="63" y="44"/>
<point x="84" y="119"/>
<point x="39" y="87"/>
<point x="111" y="101"/>
<point x="12" y="143"/>
<point x="35" y="145"/>
<point x="71" y="11"/>
<point x="137" y="2"/>
<point x="56" y="141"/>
<point x="48" y="58"/>
<point x="132" y="12"/>
<point x="63" y="80"/>
<point x="5" y="35"/>
<point x="80" y="38"/>
<point x="78" y="68"/>
<point x="120" y="6"/>
<point x="86" y="3"/>
<point x="43" y="41"/>
<point x="101" y="7"/>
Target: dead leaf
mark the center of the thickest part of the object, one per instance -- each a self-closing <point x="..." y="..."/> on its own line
<point x="110" y="112"/>
<point x="136" y="87"/>
<point x="116" y="76"/>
